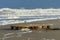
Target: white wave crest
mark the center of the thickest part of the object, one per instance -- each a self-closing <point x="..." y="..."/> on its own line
<point x="10" y="13"/>
<point x="14" y="13"/>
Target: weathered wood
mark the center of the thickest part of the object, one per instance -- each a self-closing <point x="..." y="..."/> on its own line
<point x="32" y="27"/>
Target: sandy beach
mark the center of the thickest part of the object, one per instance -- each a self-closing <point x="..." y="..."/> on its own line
<point x="7" y="34"/>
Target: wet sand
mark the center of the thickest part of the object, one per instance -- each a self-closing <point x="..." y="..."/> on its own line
<point x="7" y="34"/>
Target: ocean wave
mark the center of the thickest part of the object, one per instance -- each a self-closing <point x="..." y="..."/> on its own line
<point x="14" y="13"/>
<point x="11" y="16"/>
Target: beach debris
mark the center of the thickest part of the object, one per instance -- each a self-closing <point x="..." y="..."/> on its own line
<point x="27" y="27"/>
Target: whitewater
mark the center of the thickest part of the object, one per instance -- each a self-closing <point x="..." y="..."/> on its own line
<point x="21" y="15"/>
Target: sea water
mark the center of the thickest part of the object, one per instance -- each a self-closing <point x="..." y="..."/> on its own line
<point x="11" y="16"/>
<point x="4" y="21"/>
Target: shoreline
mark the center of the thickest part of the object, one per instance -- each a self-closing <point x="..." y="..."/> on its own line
<point x="54" y="22"/>
<point x="35" y="35"/>
<point x="29" y="21"/>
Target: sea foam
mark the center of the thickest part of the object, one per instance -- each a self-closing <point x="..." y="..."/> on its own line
<point x="11" y="16"/>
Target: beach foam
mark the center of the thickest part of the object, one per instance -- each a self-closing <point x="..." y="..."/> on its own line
<point x="11" y="16"/>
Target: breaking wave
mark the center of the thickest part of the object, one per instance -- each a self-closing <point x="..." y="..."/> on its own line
<point x="10" y="15"/>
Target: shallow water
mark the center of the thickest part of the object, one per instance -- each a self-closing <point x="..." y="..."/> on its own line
<point x="4" y="21"/>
